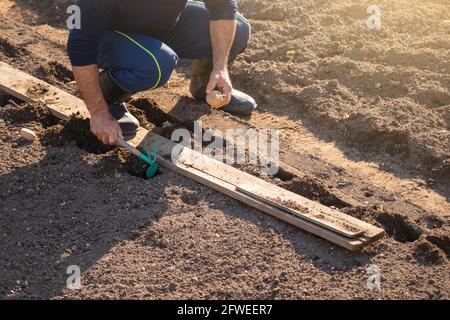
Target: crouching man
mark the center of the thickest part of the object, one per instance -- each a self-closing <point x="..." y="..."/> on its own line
<point x="138" y="43"/>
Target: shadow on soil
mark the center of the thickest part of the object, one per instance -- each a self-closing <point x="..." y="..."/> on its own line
<point x="63" y="211"/>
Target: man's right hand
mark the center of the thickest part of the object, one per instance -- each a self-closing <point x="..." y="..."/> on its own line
<point x="103" y="124"/>
<point x="105" y="127"/>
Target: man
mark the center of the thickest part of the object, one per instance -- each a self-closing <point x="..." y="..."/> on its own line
<point x="138" y="43"/>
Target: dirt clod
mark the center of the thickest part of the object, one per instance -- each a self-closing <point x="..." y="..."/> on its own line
<point x="442" y="241"/>
<point x="78" y="130"/>
<point x="428" y="254"/>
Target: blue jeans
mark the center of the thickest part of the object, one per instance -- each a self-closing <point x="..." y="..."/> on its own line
<point x="140" y="62"/>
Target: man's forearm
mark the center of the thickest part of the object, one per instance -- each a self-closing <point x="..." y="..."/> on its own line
<point x="222" y="37"/>
<point x="88" y="82"/>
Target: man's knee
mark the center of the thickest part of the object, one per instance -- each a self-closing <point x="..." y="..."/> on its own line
<point x="159" y="67"/>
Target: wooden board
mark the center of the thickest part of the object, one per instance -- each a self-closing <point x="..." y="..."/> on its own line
<point x="265" y="191"/>
<point x="341" y="229"/>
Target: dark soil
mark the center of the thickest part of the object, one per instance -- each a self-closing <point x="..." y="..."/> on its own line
<point x="427" y="254"/>
<point x="442" y="241"/>
<point x="26" y="113"/>
<point x="75" y="130"/>
<point x="399" y="227"/>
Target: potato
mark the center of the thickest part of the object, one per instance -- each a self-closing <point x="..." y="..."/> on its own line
<point x="28" y="134"/>
<point x="215" y="99"/>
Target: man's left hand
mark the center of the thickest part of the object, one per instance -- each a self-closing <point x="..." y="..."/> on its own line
<point x="220" y="79"/>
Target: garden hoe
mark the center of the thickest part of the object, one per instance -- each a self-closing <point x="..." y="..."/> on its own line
<point x="153" y="166"/>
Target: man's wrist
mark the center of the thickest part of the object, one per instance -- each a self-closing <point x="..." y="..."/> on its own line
<point x="98" y="108"/>
<point x="220" y="65"/>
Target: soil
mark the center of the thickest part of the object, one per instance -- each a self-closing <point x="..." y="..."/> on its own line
<point x="364" y="119"/>
<point x="383" y="91"/>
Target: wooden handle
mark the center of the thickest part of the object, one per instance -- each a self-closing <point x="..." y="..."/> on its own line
<point x="121" y="142"/>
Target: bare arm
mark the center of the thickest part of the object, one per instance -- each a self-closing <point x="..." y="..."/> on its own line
<point x="103" y="124"/>
<point x="89" y="85"/>
<point x="222" y="37"/>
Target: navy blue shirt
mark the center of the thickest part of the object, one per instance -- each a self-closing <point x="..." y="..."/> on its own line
<point x="149" y="17"/>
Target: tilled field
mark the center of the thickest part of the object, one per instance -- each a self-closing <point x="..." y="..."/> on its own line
<point x="383" y="91"/>
<point x="327" y="83"/>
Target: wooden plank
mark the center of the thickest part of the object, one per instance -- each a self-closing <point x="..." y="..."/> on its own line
<point x="230" y="190"/>
<point x="320" y="220"/>
<point x="347" y="230"/>
<point x="304" y="208"/>
<point x="165" y="148"/>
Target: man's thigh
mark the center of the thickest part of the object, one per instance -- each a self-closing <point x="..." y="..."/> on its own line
<point x="191" y="36"/>
<point x="137" y="62"/>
